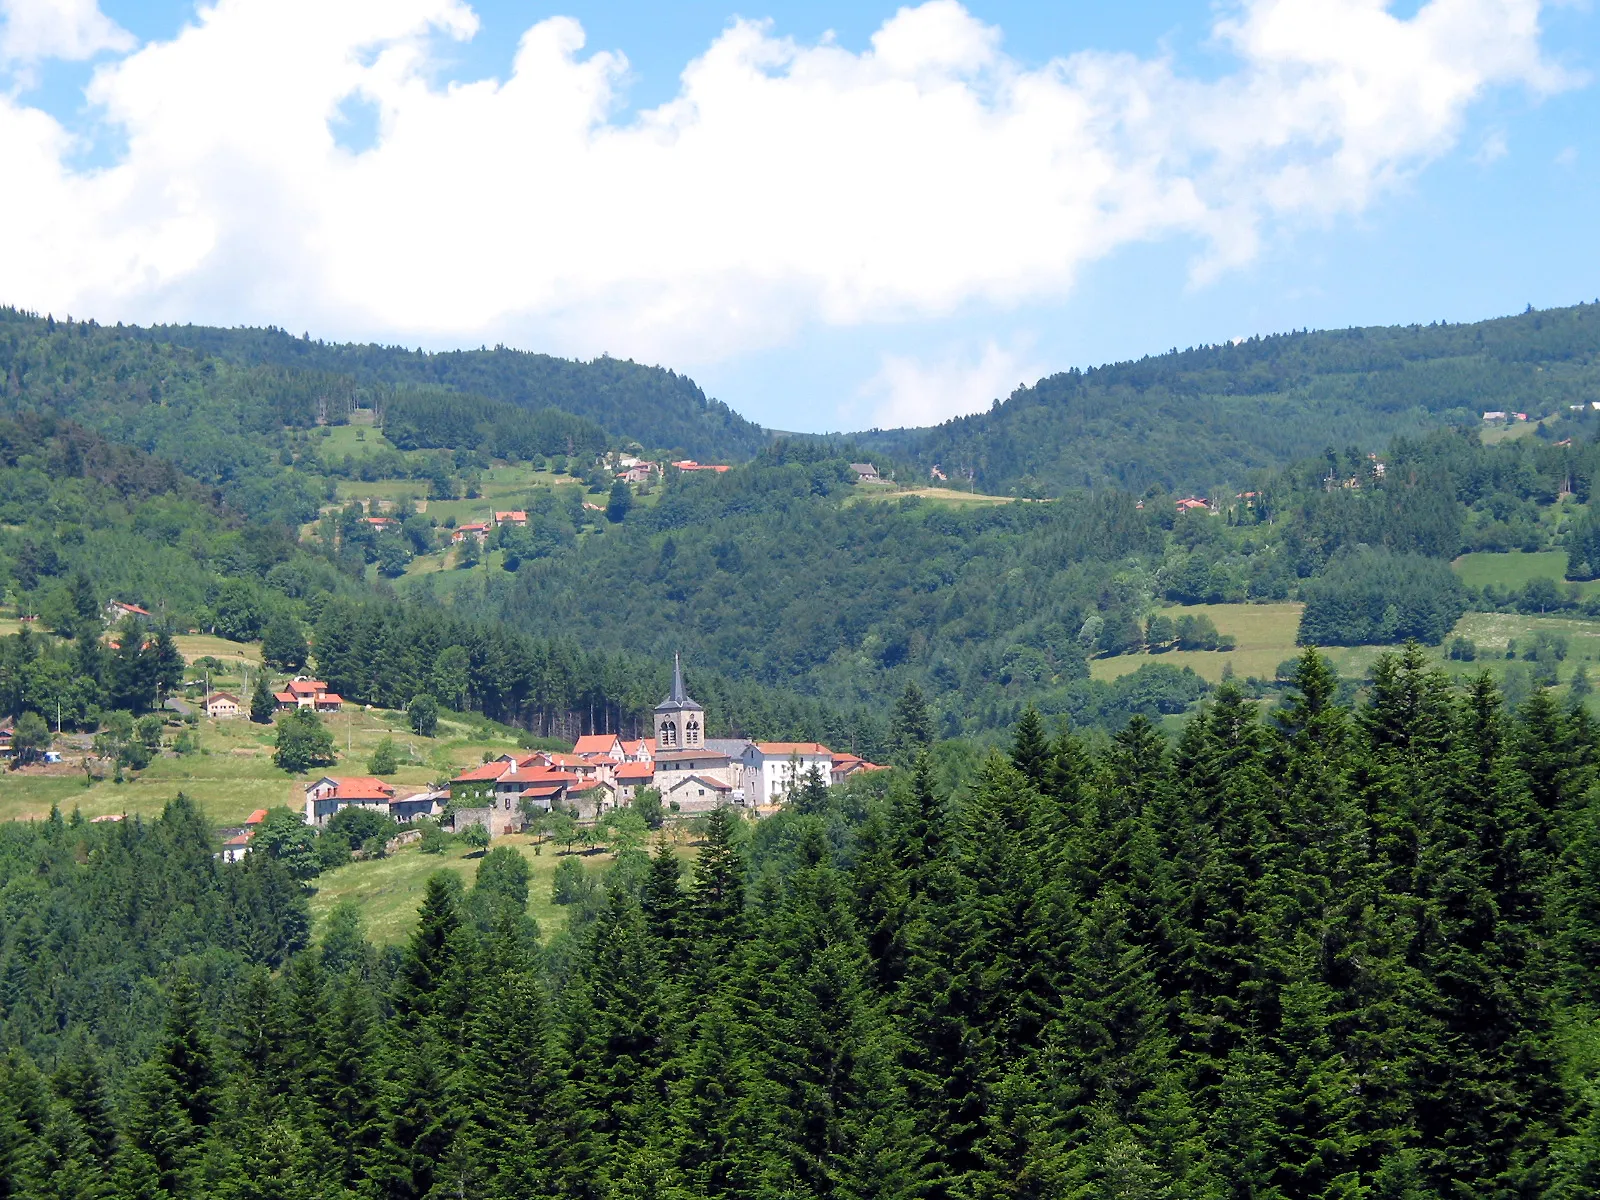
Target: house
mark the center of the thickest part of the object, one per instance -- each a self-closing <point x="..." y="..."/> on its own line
<point x="515" y="517"/>
<point x="308" y="693"/>
<point x="847" y="765"/>
<point x="492" y="795"/>
<point x="771" y="770"/>
<point x="1496" y="415"/>
<point x="472" y="529"/>
<point x="7" y="743"/>
<point x="689" y="464"/>
<point x="235" y="847"/>
<point x="698" y="793"/>
<point x="1192" y="504"/>
<point x="331" y="793"/>
<point x="222" y="706"/>
<point x="639" y="751"/>
<point x="865" y="473"/>
<point x="381" y="523"/>
<point x="254" y="819"/>
<point x="115" y="610"/>
<point x="633" y="778"/>
<point x="406" y="809"/>
<point x="636" y="472"/>
<point x="600" y="745"/>
<point x="591" y="798"/>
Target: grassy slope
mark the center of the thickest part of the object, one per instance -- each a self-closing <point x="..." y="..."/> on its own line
<point x="1515" y="568"/>
<point x="234" y="773"/>
<point x="1266" y="637"/>
<point x="390" y="889"/>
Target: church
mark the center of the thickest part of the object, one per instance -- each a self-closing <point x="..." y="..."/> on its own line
<point x="695" y="774"/>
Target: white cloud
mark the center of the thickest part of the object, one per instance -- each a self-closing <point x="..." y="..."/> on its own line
<point x="910" y="391"/>
<point x="31" y="30"/>
<point x="785" y="184"/>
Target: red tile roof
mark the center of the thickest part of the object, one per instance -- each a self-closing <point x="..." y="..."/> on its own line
<point x="627" y="771"/>
<point x="793" y="748"/>
<point x="307" y="687"/>
<point x="489" y="771"/>
<point x="283" y="697"/>
<point x="596" y="743"/>
<point x="330" y="698"/>
<point x="362" y="787"/>
<point x="256" y="817"/>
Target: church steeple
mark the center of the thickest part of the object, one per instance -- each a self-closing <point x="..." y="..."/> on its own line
<point x="680" y="721"/>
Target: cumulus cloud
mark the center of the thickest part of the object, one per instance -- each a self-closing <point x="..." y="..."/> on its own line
<point x="908" y="390"/>
<point x="31" y="30"/>
<point x="785" y="184"/>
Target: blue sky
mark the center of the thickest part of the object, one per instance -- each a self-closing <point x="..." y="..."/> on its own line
<point x="845" y="215"/>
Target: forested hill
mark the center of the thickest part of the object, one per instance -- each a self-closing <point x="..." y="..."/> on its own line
<point x="81" y="369"/>
<point x="657" y="406"/>
<point x="1204" y="418"/>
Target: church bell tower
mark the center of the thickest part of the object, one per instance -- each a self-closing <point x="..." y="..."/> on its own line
<point x="680" y="722"/>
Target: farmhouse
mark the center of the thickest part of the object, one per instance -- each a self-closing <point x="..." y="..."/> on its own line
<point x="301" y="692"/>
<point x="865" y="472"/>
<point x="689" y="464"/>
<point x="473" y="529"/>
<point x="493" y="795"/>
<point x="632" y="778"/>
<point x="847" y="766"/>
<point x="331" y="793"/>
<point x="222" y="706"/>
<point x="116" y="610"/>
<point x="515" y="517"/>
<point x="1193" y="504"/>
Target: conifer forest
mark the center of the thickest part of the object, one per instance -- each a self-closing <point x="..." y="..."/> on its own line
<point x="1311" y="951"/>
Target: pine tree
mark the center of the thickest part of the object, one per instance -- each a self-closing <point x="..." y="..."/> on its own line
<point x="262" y="705"/>
<point x="912" y="730"/>
<point x="1030" y="750"/>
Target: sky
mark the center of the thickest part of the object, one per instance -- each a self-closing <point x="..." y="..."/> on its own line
<point x="833" y="216"/>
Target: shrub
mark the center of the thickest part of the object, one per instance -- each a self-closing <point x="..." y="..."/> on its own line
<point x="1463" y="649"/>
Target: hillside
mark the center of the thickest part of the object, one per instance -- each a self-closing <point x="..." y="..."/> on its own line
<point x="94" y="372"/>
<point x="1201" y="419"/>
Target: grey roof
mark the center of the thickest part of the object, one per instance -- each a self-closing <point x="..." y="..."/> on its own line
<point x="665" y="758"/>
<point x="678" y="699"/>
<point x="732" y="747"/>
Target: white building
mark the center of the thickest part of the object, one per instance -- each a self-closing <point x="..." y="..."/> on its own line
<point x="771" y="770"/>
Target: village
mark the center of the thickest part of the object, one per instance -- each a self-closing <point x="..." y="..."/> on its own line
<point x="687" y="772"/>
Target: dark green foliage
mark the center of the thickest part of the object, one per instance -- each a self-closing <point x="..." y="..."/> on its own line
<point x="1184" y="420"/>
<point x="1322" y="954"/>
<point x="1378" y="597"/>
<point x="302" y="741"/>
<point x="423" y="714"/>
<point x="283" y="645"/>
<point x="262" y="704"/>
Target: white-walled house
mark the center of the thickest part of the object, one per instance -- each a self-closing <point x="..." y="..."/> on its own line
<point x="771" y="770"/>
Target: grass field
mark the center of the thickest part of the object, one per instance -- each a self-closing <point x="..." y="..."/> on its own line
<point x="389" y="890"/>
<point x="1266" y="632"/>
<point x="1265" y="635"/>
<point x="939" y="495"/>
<point x="358" y="440"/>
<point x="234" y="773"/>
<point x="1515" y="568"/>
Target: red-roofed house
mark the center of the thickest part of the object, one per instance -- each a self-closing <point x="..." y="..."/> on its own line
<point x="255" y="818"/>
<point x="331" y="793"/>
<point x="514" y="517"/>
<point x="236" y="847"/>
<point x="634" y="777"/>
<point x="222" y="705"/>
<point x="604" y="745"/>
<point x="641" y="750"/>
<point x="689" y="464"/>
<point x="698" y="793"/>
<point x="492" y="795"/>
<point x="473" y="529"/>
<point x="846" y="765"/>
<point x="117" y="609"/>
<point x="1193" y="505"/>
